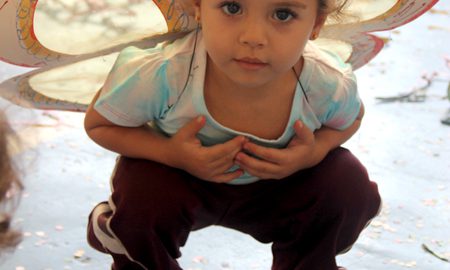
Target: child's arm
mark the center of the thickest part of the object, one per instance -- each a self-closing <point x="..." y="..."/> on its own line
<point x="305" y="150"/>
<point x="183" y="150"/>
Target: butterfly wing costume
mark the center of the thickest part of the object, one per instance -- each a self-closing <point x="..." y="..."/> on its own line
<point x="72" y="45"/>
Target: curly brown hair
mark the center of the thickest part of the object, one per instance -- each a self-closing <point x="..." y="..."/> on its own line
<point x="9" y="184"/>
<point x="333" y="8"/>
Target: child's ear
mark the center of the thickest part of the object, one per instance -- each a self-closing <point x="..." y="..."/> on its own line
<point x="320" y="21"/>
<point x="197" y="9"/>
<point x="196" y="2"/>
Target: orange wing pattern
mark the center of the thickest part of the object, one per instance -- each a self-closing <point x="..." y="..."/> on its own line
<point x="67" y="79"/>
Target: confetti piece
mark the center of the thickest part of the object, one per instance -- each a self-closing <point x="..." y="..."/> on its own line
<point x="380" y="224"/>
<point x="78" y="254"/>
<point x="436" y="27"/>
<point x="59" y="227"/>
<point x="376" y="223"/>
<point x="410" y="264"/>
<point x="40" y="234"/>
<point x="199" y="259"/>
<point x="20" y="268"/>
<point x="73" y="145"/>
<point x="438" y="11"/>
<point x="430" y="202"/>
<point x="360" y="254"/>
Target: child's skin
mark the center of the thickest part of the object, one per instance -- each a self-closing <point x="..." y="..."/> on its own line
<point x="249" y="85"/>
<point x="254" y="51"/>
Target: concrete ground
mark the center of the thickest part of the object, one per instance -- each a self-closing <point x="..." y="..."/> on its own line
<point x="404" y="146"/>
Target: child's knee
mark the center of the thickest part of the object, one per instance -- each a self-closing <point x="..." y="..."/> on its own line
<point x="349" y="188"/>
<point x="147" y="194"/>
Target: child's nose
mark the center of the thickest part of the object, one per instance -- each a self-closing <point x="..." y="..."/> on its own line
<point x="253" y="33"/>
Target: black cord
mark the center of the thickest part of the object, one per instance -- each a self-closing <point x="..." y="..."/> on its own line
<point x="300" y="83"/>
<point x="190" y="63"/>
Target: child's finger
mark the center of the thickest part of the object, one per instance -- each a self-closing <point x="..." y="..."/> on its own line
<point x="257" y="167"/>
<point x="303" y="132"/>
<point x="227" y="177"/>
<point x="228" y="149"/>
<point x="272" y="155"/>
<point x="191" y="129"/>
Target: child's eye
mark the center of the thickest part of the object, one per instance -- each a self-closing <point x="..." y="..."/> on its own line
<point x="284" y="15"/>
<point x="231" y="8"/>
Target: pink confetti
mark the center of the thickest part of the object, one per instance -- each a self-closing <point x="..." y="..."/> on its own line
<point x="199" y="259"/>
<point x="430" y="202"/>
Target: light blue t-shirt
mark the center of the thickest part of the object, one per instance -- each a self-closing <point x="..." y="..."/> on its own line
<point x="146" y="85"/>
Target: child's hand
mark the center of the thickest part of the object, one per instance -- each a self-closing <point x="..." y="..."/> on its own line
<point x="280" y="163"/>
<point x="207" y="163"/>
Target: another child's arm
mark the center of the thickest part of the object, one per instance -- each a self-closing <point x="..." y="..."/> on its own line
<point x="305" y="150"/>
<point x="183" y="150"/>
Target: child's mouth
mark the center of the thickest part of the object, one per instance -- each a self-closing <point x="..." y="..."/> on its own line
<point x="250" y="63"/>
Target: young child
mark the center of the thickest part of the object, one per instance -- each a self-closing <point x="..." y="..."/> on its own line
<point x="233" y="102"/>
<point x="9" y="181"/>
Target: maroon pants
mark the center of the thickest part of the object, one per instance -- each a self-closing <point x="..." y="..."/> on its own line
<point x="310" y="216"/>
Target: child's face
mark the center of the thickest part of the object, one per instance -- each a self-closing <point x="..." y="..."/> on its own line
<point x="256" y="41"/>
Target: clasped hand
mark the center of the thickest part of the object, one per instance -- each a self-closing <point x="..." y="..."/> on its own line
<point x="214" y="162"/>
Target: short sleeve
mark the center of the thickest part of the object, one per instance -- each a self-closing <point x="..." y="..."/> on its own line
<point x="331" y="89"/>
<point x="345" y="104"/>
<point x="136" y="90"/>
